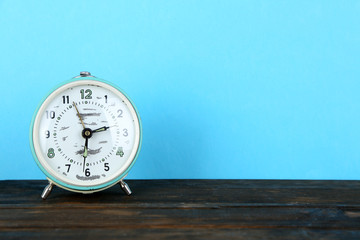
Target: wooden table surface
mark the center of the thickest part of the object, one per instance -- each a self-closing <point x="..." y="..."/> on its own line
<point x="184" y="209"/>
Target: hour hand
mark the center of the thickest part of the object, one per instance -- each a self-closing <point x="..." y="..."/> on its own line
<point x="100" y="129"/>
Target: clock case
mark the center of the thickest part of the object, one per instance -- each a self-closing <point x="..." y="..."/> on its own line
<point x="86" y="190"/>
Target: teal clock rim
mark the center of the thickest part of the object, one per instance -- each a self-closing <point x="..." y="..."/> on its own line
<point x="80" y="188"/>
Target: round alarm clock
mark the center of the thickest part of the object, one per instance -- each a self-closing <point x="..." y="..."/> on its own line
<point x="85" y="135"/>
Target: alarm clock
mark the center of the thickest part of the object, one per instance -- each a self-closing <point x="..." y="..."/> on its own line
<point x="85" y="135"/>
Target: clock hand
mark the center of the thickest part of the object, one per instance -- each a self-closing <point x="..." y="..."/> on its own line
<point x="100" y="129"/>
<point x="85" y="152"/>
<point x="78" y="113"/>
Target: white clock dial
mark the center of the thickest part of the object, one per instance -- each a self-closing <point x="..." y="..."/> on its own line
<point x="86" y="134"/>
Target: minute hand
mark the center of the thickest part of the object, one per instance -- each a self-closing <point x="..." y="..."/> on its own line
<point x="100" y="129"/>
<point x="85" y="152"/>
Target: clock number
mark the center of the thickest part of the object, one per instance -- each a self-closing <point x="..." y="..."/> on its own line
<point x="47" y="133"/>
<point x="105" y="98"/>
<point x="87" y="172"/>
<point x="106" y="167"/>
<point x="68" y="165"/>
<point x="125" y="134"/>
<point x="120" y="113"/>
<point x="88" y="93"/>
<point x="66" y="99"/>
<point x="50" y="114"/>
<point x="51" y="153"/>
<point x="120" y="152"/>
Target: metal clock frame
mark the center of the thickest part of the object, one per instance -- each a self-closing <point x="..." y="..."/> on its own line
<point x="83" y="189"/>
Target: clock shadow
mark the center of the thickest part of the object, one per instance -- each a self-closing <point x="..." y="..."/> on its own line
<point x="141" y="189"/>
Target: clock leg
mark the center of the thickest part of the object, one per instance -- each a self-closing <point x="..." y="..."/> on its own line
<point x="125" y="187"/>
<point x="47" y="190"/>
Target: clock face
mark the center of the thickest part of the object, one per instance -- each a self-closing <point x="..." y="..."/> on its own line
<point x="86" y="135"/>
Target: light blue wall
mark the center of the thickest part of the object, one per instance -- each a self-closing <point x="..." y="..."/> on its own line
<point x="225" y="89"/>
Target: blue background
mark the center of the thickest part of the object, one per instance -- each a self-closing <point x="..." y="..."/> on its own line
<point x="225" y="89"/>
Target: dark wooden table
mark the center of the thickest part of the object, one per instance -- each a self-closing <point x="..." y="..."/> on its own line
<point x="184" y="209"/>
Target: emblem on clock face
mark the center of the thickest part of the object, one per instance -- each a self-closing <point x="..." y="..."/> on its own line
<point x="86" y="135"/>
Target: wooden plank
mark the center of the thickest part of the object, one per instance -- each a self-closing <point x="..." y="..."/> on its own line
<point x="198" y="209"/>
<point x="193" y="193"/>
<point x="112" y="217"/>
<point x="181" y="234"/>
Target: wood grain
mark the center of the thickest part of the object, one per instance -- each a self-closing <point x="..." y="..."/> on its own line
<point x="185" y="209"/>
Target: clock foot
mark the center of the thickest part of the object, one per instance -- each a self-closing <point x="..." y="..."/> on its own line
<point x="47" y="190"/>
<point x="125" y="187"/>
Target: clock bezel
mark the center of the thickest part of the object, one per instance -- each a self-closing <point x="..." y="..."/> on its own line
<point x="36" y="151"/>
